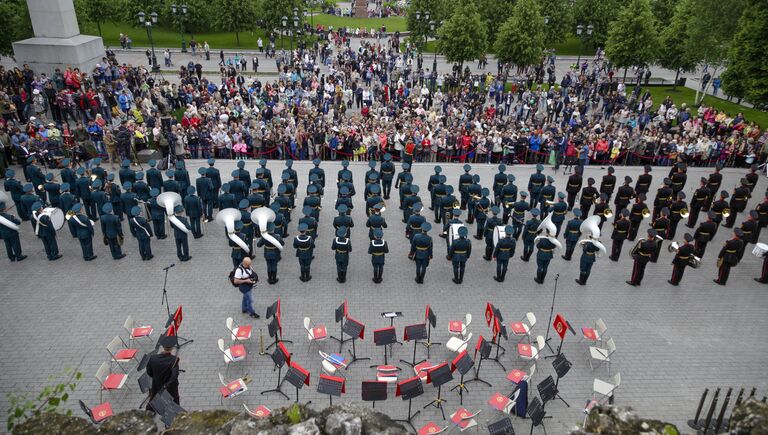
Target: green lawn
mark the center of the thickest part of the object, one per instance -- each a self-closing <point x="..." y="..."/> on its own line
<point x="570" y="47"/>
<point x="393" y="24"/>
<point x="165" y="37"/>
<point x="686" y="95"/>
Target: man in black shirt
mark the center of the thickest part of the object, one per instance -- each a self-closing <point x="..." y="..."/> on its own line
<point x="163" y="368"/>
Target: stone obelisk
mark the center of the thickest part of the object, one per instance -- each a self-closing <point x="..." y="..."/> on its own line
<point x="57" y="42"/>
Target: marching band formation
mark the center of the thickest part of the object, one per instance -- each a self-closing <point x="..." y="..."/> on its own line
<point x="256" y="214"/>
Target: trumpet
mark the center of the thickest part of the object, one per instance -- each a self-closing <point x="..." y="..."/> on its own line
<point x="726" y="212"/>
<point x="684" y="213"/>
<point x="646" y="213"/>
<point x="608" y="213"/>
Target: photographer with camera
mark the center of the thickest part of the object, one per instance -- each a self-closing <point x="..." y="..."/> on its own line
<point x="245" y="278"/>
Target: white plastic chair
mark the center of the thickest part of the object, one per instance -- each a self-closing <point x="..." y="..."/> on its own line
<point x="314" y="334"/>
<point x="329" y="367"/>
<point x="227" y="352"/>
<point x="594" y="334"/>
<point x="470" y="419"/>
<point x="135" y="332"/>
<point x="238" y="333"/>
<point x="605" y="389"/>
<point x="464" y="325"/>
<point x="602" y="355"/>
<point x="108" y="380"/>
<point x="535" y="349"/>
<point x="523" y="328"/>
<point x="456" y="344"/>
<point x="119" y="352"/>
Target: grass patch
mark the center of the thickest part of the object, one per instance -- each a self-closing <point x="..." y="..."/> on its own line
<point x="687" y="96"/>
<point x="393" y="24"/>
<point x="572" y="47"/>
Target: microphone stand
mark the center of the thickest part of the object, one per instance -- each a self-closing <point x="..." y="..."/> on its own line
<point x="165" y="294"/>
<point x="551" y="310"/>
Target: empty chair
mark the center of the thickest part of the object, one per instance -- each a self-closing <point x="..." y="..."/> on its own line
<point x="522" y="329"/>
<point x="530" y="351"/>
<point x="231" y="354"/>
<point x="332" y="363"/>
<point x="260" y="411"/>
<point x="602" y="390"/>
<point x="457" y="327"/>
<point x="109" y="381"/>
<point x="602" y="355"/>
<point x="98" y="413"/>
<point x="594" y="334"/>
<point x="119" y="352"/>
<point x="518" y="375"/>
<point x="456" y="344"/>
<point x="387" y="373"/>
<point x="135" y="331"/>
<point x="463" y="419"/>
<point x="432" y="429"/>
<point x="238" y="333"/>
<point x="315" y="333"/>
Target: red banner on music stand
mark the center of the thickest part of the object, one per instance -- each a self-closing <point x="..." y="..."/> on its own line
<point x="488" y="313"/>
<point x="171" y="331"/>
<point x="561" y="327"/>
<point x="301" y="370"/>
<point x="496" y="328"/>
<point x="178" y="316"/>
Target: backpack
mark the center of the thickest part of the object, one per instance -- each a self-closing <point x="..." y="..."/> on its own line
<point x="232" y="277"/>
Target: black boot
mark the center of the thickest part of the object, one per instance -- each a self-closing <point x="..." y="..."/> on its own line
<point x="308" y="276"/>
<point x="303" y="276"/>
<point x="274" y="278"/>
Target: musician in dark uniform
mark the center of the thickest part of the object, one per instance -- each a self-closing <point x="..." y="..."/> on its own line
<point x="663" y="198"/>
<point x="163" y="369"/>
<point x="15" y="189"/>
<point x="317" y="170"/>
<point x="126" y="174"/>
<point x="661" y="225"/>
<point x="572" y="232"/>
<point x="465" y="180"/>
<point x="559" y="210"/>
<point x="608" y="184"/>
<point x="574" y="185"/>
<point x="762" y="213"/>
<point x="415" y="220"/>
<point x="456" y="219"/>
<point x="157" y="215"/>
<point x="128" y="198"/>
<point x="509" y="198"/>
<point x="28" y="199"/>
<point x="387" y="173"/>
<point x="205" y="192"/>
<point x="547" y="196"/>
<point x="182" y="240"/>
<point x="683" y="258"/>
<point x="729" y="256"/>
<point x="698" y="202"/>
<point x="621" y="229"/>
<point x="752" y="178"/>
<point x="98" y="197"/>
<point x="377" y="222"/>
<point x="504" y="250"/>
<point x="304" y="246"/>
<point x="342" y="246"/>
<point x="518" y="214"/>
<point x="344" y="170"/>
<point x="271" y="253"/>
<point x="636" y="216"/>
<point x="343" y="219"/>
<point x="242" y="174"/>
<point x="490" y="225"/>
<point x="589" y="196"/>
<point x="459" y="252"/>
<point x="345" y="198"/>
<point x="642" y="253"/>
<point x="643" y="184"/>
<point x="535" y="184"/>
<point x="293" y="180"/>
<point x="499" y="181"/>
<point x="237" y="187"/>
<point x="529" y="234"/>
<point x="112" y="229"/>
<point x="140" y="188"/>
<point x="155" y="176"/>
<point x="10" y="235"/>
<point x="309" y="221"/>
<point x="401" y="177"/>
<point x="409" y="201"/>
<point x="45" y="231"/>
<point x="446" y="207"/>
<point x="81" y="228"/>
<point x="750" y="229"/>
<point x="267" y="173"/>
<point x="544" y="255"/>
<point x="226" y="199"/>
<point x="482" y="207"/>
<point x="170" y="184"/>
<point x="588" y="257"/>
<point x="378" y="249"/>
<point x="714" y="181"/>
<point x="83" y="192"/>
<point x="738" y="204"/>
<point x="764" y="271"/>
<point x="434" y="180"/>
<point x="676" y="210"/>
<point x="141" y="229"/>
<point x="719" y="207"/>
<point x="52" y="190"/>
<point x="678" y="179"/>
<point x="181" y="175"/>
<point x="474" y="191"/>
<point x="623" y="196"/>
<point x="704" y="234"/>
<point x="237" y="251"/>
<point x="601" y="207"/>
<point x="284" y="203"/>
<point x="215" y="177"/>
<point x="421" y="251"/>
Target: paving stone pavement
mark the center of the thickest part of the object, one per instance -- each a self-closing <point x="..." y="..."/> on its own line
<point x="672" y="341"/>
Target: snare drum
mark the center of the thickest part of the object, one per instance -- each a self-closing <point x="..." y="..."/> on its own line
<point x="760" y="250"/>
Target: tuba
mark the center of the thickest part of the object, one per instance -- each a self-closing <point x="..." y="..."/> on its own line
<point x="453" y="233"/>
<point x="646" y="213"/>
<point x="228" y="217"/>
<point x="590" y="228"/>
<point x="684" y="213"/>
<point x="673" y="247"/>
<point x="262" y="216"/>
<point x="608" y="213"/>
<point x="3" y="221"/>
<point x="169" y="200"/>
<point x="548" y="227"/>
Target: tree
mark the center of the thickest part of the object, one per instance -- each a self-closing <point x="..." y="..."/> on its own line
<point x="419" y="28"/>
<point x="672" y="53"/>
<point x="663" y="10"/>
<point x="463" y="37"/>
<point x="598" y="13"/>
<point x="271" y="12"/>
<point x="234" y="16"/>
<point x="16" y="24"/>
<point x="94" y="11"/>
<point x="521" y="37"/>
<point x="560" y="20"/>
<point x="127" y="10"/>
<point x="746" y="75"/>
<point x="494" y="14"/>
<point x="632" y="39"/>
<point x="710" y="31"/>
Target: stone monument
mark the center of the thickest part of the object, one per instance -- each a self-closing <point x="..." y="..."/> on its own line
<point x="57" y="41"/>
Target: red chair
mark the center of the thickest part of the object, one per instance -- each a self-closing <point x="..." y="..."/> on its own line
<point x="135" y="331"/>
<point x="238" y="333"/>
<point x="119" y="352"/>
<point x="98" y="413"/>
<point x="109" y="381"/>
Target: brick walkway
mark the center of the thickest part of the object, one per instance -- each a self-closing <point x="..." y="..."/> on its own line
<point x="672" y="342"/>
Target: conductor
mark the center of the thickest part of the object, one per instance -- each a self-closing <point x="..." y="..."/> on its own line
<point x="163" y="368"/>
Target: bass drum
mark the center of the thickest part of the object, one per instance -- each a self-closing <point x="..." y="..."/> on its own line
<point x="498" y="234"/>
<point x="56" y="216"/>
<point x="453" y="233"/>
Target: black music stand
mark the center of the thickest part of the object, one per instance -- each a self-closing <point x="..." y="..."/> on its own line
<point x="463" y="363"/>
<point x="279" y="357"/>
<point x="497" y="316"/>
<point x="562" y="366"/>
<point x="410" y="389"/>
<point x="414" y="333"/>
<point x="551" y="311"/>
<point x="501" y="427"/>
<point x="332" y="386"/>
<point x="439" y="376"/>
<point x="145" y="383"/>
<point x="485" y="351"/>
<point x="340" y="315"/>
<point x="275" y="328"/>
<point x="501" y="332"/>
<point x="355" y="330"/>
<point x="392" y="315"/>
<point x="431" y="320"/>
<point x="384" y="337"/>
<point x="537" y="414"/>
<point x="298" y="377"/>
<point x="374" y="391"/>
<point x="166" y="407"/>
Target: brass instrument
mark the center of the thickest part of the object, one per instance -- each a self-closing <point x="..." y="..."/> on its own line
<point x="608" y="213"/>
<point x="40" y="187"/>
<point x="590" y="227"/>
<point x="646" y="213"/>
<point x="684" y="213"/>
<point x="693" y="261"/>
<point x="94" y="177"/>
<point x="69" y="215"/>
<point x="726" y="212"/>
<point x="636" y="248"/>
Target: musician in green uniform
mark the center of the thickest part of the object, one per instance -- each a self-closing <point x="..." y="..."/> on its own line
<point x="342" y="246"/>
<point x="81" y="228"/>
<point x="490" y="226"/>
<point x="378" y="249"/>
<point x="271" y="253"/>
<point x="529" y="234"/>
<point x="421" y="251"/>
<point x="304" y="245"/>
<point x="112" y="229"/>
<point x="459" y="252"/>
<point x="141" y="229"/>
<point x="504" y="250"/>
<point x="572" y="232"/>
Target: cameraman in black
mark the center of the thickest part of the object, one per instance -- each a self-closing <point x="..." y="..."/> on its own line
<point x="163" y="368"/>
<point x="245" y="278"/>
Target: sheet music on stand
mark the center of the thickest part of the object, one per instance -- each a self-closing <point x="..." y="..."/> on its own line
<point x="329" y="386"/>
<point x="501" y="427"/>
<point x="164" y="406"/>
<point x="374" y="391"/>
<point x="295" y="377"/>
<point x="416" y="332"/>
<point x="561" y="365"/>
<point x="145" y="383"/>
<point x="464" y="363"/>
<point x="353" y="328"/>
<point x="440" y="375"/>
<point x="384" y="336"/>
<point x="278" y="357"/>
<point x="412" y="389"/>
<point x="485" y="349"/>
